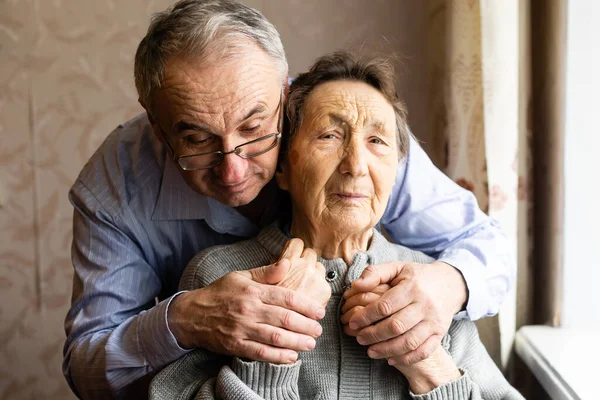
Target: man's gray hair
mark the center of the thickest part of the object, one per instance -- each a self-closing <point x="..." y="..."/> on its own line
<point x="196" y="29"/>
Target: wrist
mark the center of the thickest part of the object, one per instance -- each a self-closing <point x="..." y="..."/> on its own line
<point x="176" y="321"/>
<point x="458" y="291"/>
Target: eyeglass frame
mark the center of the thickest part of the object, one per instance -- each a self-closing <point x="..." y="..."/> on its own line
<point x="221" y="154"/>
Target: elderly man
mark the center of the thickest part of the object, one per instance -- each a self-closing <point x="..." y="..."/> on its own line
<point x="196" y="170"/>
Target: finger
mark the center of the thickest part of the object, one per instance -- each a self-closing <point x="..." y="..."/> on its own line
<point x="346" y="317"/>
<point x="278" y="337"/>
<point x="349" y="331"/>
<point x="391" y="327"/>
<point x="309" y="256"/>
<point x="403" y="344"/>
<point x="421" y="353"/>
<point x="390" y="302"/>
<point x="269" y="274"/>
<point x="262" y="352"/>
<point x="373" y="276"/>
<point x="361" y="299"/>
<point x="293" y="248"/>
<point x="292" y="300"/>
<point x="291" y="321"/>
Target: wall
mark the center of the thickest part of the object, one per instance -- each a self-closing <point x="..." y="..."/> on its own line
<point x="65" y="83"/>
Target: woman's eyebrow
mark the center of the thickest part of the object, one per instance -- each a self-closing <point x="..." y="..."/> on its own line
<point x="375" y="123"/>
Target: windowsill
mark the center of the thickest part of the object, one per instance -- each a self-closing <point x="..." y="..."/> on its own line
<point x="563" y="360"/>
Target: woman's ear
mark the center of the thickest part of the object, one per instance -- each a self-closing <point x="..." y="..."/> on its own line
<point x="282" y="176"/>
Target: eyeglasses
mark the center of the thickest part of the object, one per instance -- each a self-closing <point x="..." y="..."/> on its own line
<point x="253" y="148"/>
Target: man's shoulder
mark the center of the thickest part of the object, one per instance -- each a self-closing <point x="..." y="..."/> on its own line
<point x="216" y="262"/>
<point x="129" y="163"/>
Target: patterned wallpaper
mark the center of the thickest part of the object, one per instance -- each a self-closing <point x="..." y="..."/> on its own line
<point x="65" y="83"/>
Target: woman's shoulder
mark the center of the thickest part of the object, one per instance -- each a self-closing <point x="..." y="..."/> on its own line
<point x="382" y="251"/>
<point x="215" y="262"/>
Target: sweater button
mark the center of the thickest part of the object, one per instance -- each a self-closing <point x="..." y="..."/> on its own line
<point x="331" y="275"/>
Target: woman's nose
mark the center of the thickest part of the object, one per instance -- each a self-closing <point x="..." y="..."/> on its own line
<point x="354" y="159"/>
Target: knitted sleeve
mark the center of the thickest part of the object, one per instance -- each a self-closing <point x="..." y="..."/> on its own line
<point x="481" y="380"/>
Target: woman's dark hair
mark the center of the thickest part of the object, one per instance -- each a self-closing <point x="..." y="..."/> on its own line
<point x="343" y="66"/>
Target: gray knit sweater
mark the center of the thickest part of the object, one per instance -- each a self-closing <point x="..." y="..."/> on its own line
<point x="338" y="367"/>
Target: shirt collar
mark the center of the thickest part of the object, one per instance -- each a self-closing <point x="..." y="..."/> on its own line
<point x="178" y="201"/>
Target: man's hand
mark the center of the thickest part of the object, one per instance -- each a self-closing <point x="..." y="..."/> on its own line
<point x="406" y="323"/>
<point x="306" y="275"/>
<point x="246" y="315"/>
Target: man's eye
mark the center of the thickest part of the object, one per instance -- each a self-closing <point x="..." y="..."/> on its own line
<point x="251" y="129"/>
<point x="199" y="140"/>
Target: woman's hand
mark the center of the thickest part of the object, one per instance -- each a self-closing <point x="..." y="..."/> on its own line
<point x="436" y="370"/>
<point x="305" y="275"/>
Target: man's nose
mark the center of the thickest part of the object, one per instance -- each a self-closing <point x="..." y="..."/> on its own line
<point x="232" y="169"/>
<point x="354" y="159"/>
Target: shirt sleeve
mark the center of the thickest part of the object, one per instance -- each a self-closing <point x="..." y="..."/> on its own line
<point x="116" y="334"/>
<point x="427" y="211"/>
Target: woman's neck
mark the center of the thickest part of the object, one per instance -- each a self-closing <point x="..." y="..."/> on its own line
<point x="329" y="243"/>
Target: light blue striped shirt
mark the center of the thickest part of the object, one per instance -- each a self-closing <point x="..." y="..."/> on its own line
<point x="136" y="225"/>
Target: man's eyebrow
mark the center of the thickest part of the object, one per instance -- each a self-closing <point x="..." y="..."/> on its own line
<point x="182" y="126"/>
<point x="258" y="109"/>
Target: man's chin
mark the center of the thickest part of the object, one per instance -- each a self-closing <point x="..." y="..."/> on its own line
<point x="235" y="199"/>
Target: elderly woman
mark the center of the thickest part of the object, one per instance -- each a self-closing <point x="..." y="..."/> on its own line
<point x="346" y="132"/>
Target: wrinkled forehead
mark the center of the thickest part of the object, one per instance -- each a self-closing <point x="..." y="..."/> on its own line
<point x="219" y="88"/>
<point x="349" y="102"/>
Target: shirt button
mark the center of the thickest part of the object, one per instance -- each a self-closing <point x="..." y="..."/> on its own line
<point x="331" y="275"/>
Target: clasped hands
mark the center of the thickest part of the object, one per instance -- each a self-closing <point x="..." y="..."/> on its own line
<point x="400" y="310"/>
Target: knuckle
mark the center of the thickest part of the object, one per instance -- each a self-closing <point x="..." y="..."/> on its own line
<point x="421" y="354"/>
<point x="261" y="353"/>
<point x="384" y="307"/>
<point x="290" y="300"/>
<point x="276" y="338"/>
<point x="245" y="308"/>
<point x="286" y="319"/>
<point x="412" y="343"/>
<point x="370" y="269"/>
<point x="397" y="327"/>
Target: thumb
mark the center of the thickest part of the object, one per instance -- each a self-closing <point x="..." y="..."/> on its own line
<point x="270" y="274"/>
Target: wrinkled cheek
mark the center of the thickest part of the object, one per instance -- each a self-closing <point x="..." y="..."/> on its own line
<point x="293" y="157"/>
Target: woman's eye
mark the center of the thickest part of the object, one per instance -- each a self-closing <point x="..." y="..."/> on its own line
<point x="329" y="135"/>
<point x="376" y="140"/>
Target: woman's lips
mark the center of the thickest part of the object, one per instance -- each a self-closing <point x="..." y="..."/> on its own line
<point x="351" y="196"/>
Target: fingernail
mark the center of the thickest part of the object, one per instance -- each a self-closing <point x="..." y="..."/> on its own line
<point x="391" y="361"/>
<point x="353" y="325"/>
<point x="293" y="358"/>
<point x="318" y="330"/>
<point x="361" y="340"/>
<point x="320" y="313"/>
<point x="310" y="343"/>
<point x="373" y="353"/>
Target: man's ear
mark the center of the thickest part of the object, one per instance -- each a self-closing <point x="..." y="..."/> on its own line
<point x="282" y="176"/>
<point x="153" y="122"/>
